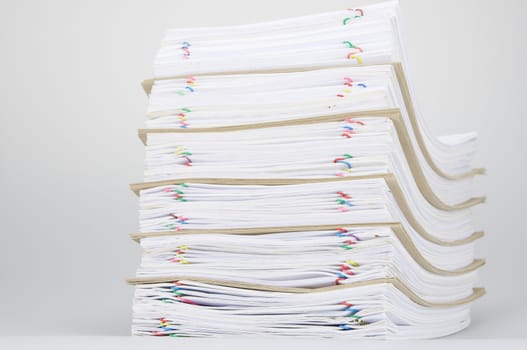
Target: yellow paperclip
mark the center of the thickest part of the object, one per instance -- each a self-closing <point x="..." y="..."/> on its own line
<point x="352" y="263"/>
<point x="357" y="58"/>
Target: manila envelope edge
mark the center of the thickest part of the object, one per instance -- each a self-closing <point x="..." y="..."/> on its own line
<point x="477" y="292"/>
<point x="143" y="133"/>
<point x="397" y="228"/>
<point x="402" y="134"/>
<point x="389" y="178"/>
<point x="149" y="83"/>
<point x="403" y="84"/>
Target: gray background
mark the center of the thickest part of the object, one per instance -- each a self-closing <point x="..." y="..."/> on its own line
<point x="71" y="103"/>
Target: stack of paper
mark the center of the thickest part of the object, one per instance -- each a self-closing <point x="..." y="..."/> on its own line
<point x="292" y="188"/>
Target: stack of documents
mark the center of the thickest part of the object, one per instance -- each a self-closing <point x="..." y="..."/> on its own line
<point x="291" y="187"/>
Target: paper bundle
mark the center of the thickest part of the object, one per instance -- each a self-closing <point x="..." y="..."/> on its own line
<point x="291" y="187"/>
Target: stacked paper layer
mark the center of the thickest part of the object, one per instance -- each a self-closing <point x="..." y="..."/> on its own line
<point x="292" y="188"/>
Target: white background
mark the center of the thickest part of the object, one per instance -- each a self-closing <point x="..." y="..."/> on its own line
<point x="71" y="103"/>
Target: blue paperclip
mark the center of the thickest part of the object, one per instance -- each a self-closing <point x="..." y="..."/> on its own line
<point x="352" y="310"/>
<point x="348" y="165"/>
<point x="345" y="327"/>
